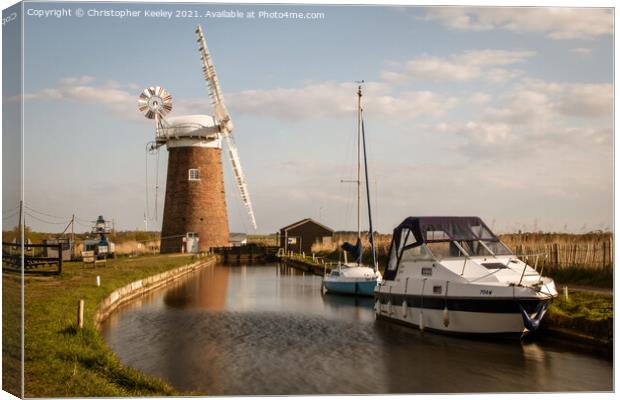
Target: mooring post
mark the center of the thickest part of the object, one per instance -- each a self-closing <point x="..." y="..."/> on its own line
<point x="59" y="258"/>
<point x="566" y="293"/>
<point x="80" y="314"/>
<point x="98" y="281"/>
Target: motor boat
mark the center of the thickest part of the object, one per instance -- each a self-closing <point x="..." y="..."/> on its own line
<point x="452" y="274"/>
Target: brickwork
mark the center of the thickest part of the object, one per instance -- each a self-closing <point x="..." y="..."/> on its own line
<point x="195" y="206"/>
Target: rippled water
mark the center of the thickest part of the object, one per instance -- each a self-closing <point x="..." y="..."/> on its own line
<point x="268" y="330"/>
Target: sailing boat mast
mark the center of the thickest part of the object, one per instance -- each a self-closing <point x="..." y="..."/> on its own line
<point x="371" y="230"/>
<point x="359" y="156"/>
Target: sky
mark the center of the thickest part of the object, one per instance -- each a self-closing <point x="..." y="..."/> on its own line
<point x="503" y="113"/>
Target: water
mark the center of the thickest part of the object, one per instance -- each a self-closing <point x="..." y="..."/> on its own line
<point x="268" y="330"/>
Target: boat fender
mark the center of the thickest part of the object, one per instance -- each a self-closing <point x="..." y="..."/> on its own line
<point x="421" y="321"/>
<point x="378" y="306"/>
<point x="405" y="308"/>
<point x="446" y="317"/>
<point x="532" y="324"/>
<point x="389" y="307"/>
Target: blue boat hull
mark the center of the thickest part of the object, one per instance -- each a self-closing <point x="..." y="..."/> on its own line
<point x="366" y="288"/>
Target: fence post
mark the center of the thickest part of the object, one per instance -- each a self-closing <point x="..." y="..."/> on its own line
<point x="59" y="258"/>
<point x="80" y="314"/>
<point x="611" y="251"/>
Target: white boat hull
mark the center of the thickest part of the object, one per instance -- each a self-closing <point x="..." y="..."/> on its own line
<point x="458" y="322"/>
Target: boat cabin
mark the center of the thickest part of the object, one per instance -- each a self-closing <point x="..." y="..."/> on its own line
<point x="438" y="238"/>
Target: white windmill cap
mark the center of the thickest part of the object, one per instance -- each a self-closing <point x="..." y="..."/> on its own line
<point x="184" y="126"/>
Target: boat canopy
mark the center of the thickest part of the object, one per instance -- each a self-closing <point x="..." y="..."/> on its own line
<point x="441" y="237"/>
<point x="444" y="229"/>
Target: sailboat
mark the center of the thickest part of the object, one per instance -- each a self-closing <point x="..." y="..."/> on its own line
<point x="354" y="277"/>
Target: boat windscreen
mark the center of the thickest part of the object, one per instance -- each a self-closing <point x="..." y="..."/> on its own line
<point x="459" y="229"/>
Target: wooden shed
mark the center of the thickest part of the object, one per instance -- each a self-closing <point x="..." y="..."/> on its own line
<point x="300" y="236"/>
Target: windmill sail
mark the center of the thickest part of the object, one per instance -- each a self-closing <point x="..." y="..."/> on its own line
<point x="233" y="155"/>
<point x="223" y="119"/>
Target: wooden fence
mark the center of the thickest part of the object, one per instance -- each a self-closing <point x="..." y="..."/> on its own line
<point x="563" y="251"/>
<point x="34" y="260"/>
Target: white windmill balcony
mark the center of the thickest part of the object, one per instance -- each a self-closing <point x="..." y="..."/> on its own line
<point x="189" y="131"/>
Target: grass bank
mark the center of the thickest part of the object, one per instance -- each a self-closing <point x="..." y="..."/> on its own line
<point x="585" y="313"/>
<point x="62" y="361"/>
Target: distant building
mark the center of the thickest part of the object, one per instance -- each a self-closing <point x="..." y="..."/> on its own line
<point x="300" y="236"/>
<point x="237" y="239"/>
<point x="67" y="247"/>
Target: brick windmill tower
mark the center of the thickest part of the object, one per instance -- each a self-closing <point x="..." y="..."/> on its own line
<point x="195" y="216"/>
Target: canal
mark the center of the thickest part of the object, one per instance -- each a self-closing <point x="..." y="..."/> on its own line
<point x="268" y="330"/>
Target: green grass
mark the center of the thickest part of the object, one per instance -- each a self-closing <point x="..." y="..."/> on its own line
<point x="581" y="304"/>
<point x="587" y="313"/>
<point x="62" y="361"/>
<point x="11" y="335"/>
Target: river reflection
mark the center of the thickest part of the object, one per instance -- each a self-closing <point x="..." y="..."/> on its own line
<point x="268" y="330"/>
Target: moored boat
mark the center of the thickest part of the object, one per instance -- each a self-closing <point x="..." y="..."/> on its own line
<point x="452" y="274"/>
<point x="356" y="278"/>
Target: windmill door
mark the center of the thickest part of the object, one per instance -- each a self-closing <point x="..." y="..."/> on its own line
<point x="192" y="242"/>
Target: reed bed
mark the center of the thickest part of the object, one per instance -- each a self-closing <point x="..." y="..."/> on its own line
<point x="590" y="250"/>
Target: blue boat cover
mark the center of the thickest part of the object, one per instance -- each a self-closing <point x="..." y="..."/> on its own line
<point x="355" y="251"/>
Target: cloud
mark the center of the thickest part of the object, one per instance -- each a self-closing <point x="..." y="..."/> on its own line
<point x="591" y="100"/>
<point x="582" y="51"/>
<point x="333" y="100"/>
<point x="555" y="22"/>
<point x="110" y="95"/>
<point x="313" y="101"/>
<point x="467" y="66"/>
<point x="533" y="117"/>
<point x="479" y="98"/>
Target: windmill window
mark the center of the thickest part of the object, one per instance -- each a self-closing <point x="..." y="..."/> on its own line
<point x="194" y="175"/>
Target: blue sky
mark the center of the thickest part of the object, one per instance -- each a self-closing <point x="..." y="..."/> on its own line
<point x="505" y="113"/>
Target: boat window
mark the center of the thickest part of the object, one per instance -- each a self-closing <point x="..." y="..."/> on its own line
<point x="475" y="248"/>
<point x="416" y="253"/>
<point x="436" y="289"/>
<point x="494" y="266"/>
<point x="436" y="235"/>
<point x="405" y="235"/>
<point x="481" y="232"/>
<point x="426" y="271"/>
<point x="335" y="273"/>
<point x="393" y="259"/>
<point x="497" y="247"/>
<point x="409" y="239"/>
<point x="445" y="249"/>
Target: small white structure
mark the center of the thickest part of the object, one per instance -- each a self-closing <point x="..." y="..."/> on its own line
<point x="238" y="239"/>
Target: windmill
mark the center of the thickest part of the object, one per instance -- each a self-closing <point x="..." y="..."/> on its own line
<point x="195" y="216"/>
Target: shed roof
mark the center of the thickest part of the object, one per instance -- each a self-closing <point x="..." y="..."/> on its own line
<point x="305" y="221"/>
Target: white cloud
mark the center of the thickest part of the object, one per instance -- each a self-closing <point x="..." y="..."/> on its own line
<point x="582" y="51"/>
<point x="577" y="99"/>
<point x="555" y="22"/>
<point x="532" y="118"/>
<point x="109" y="95"/>
<point x="313" y="101"/>
<point x="466" y="66"/>
<point x="331" y="99"/>
<point x="479" y="98"/>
